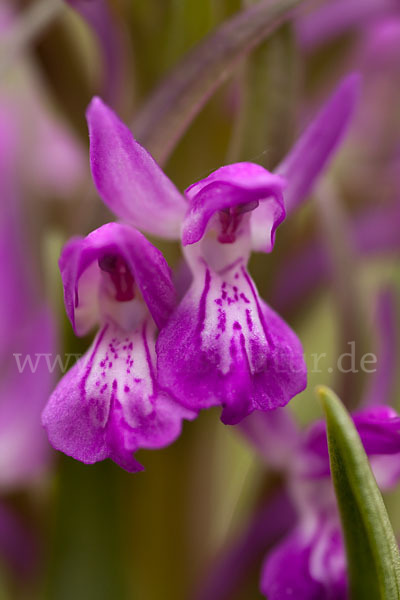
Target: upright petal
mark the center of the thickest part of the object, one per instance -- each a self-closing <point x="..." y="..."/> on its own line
<point x="230" y="186"/>
<point x="128" y="179"/>
<point x="310" y="154"/>
<point x="81" y="273"/>
<point x="108" y="404"/>
<point x="224" y="346"/>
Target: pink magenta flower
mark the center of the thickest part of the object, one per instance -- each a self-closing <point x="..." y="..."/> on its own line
<point x="221" y="345"/>
<point x="314" y="548"/>
<point x="109" y="404"/>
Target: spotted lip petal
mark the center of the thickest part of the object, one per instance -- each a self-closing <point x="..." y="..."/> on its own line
<point x="108" y="405"/>
<point x="145" y="262"/>
<point x="230" y="186"/>
<point x="224" y="346"/>
<point x="128" y="179"/>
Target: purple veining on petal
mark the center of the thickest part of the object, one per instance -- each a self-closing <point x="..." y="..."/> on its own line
<point x="228" y="349"/>
<point x="100" y="411"/>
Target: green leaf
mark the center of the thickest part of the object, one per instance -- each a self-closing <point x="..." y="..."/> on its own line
<point x="372" y="552"/>
<point x="178" y="99"/>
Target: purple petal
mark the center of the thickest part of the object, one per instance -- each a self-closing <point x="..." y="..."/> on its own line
<point x="128" y="179"/>
<point x="223" y="345"/>
<point x="308" y="565"/>
<point x="286" y="572"/>
<point x="233" y="185"/>
<point x="108" y="406"/>
<point x="379" y="429"/>
<point x="311" y="153"/>
<point x="81" y="274"/>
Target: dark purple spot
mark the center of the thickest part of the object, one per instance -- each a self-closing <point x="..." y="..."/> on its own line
<point x="237" y="325"/>
<point x="120" y="275"/>
<point x="221" y="319"/>
<point x="249" y="319"/>
<point x="127" y="389"/>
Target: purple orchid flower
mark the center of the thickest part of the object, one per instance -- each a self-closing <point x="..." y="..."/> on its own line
<point x="315" y="547"/>
<point x="109" y="404"/>
<point x="222" y="345"/>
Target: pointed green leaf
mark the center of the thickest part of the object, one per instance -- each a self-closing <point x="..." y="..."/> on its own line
<point x="178" y="99"/>
<point x="372" y="551"/>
